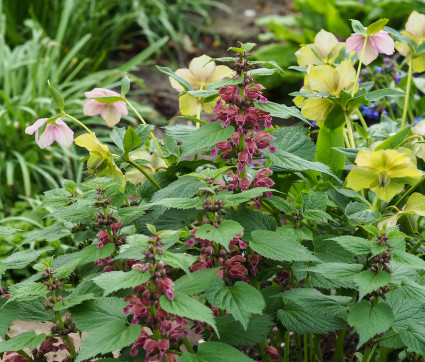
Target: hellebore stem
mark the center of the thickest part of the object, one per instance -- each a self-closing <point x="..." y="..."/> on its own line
<point x="144" y="122"/>
<point x="144" y="172"/>
<point x="79" y="122"/>
<point x="350" y="130"/>
<point x="361" y="118"/>
<point x="406" y="99"/>
<point x="359" y="67"/>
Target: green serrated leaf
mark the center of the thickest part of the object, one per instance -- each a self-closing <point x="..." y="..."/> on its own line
<point x="196" y="282"/>
<point x="177" y="260"/>
<point x="279" y="247"/>
<point x="370" y="320"/>
<point x="368" y="281"/>
<point x="232" y="332"/>
<point x="353" y="244"/>
<point x="21" y="259"/>
<point x="215" y="351"/>
<point x="116" y="280"/>
<point x="187" y="307"/>
<point x="205" y="138"/>
<point x="28" y="340"/>
<point x="223" y="234"/>
<point x="281" y="111"/>
<point x="241" y="300"/>
<point x="72" y="301"/>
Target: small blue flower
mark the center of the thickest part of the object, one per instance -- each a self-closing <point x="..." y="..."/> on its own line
<point x="378" y="69"/>
<point x="397" y="79"/>
<point x="314" y="123"/>
<point x="417" y="119"/>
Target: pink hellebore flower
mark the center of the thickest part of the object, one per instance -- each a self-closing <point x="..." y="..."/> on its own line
<point x="57" y="131"/>
<point x="110" y="112"/>
<point x="381" y="42"/>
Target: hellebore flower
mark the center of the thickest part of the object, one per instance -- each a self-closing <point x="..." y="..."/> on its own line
<point x="57" y="131"/>
<point x="198" y="75"/>
<point x="415" y="30"/>
<point x="101" y="160"/>
<point x="325" y="79"/>
<point x="385" y="172"/>
<point x="326" y="45"/>
<point x="110" y="112"/>
<point x="381" y="42"/>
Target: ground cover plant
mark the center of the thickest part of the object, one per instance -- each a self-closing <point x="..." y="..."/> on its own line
<point x="237" y="239"/>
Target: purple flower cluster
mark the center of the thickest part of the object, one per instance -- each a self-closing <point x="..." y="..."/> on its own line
<point x="236" y="106"/>
<point x="146" y="310"/>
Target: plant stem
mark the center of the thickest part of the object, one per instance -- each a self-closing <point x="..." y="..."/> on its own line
<point x="350" y="130"/>
<point x="361" y="118"/>
<point x="383" y="352"/>
<point x="406" y="100"/>
<point x="79" y="122"/>
<point x="66" y="338"/>
<point x="144" y="172"/>
<point x="242" y="148"/>
<point x="359" y="67"/>
<point x="346" y="140"/>
<point x="298" y="345"/>
<point x="408" y="192"/>
<point x="305" y="348"/>
<point x="317" y="347"/>
<point x="286" y="350"/>
<point x="339" y="349"/>
<point x="188" y="345"/>
<point x="144" y="122"/>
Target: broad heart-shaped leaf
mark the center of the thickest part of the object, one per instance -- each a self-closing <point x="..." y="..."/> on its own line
<point x="361" y="213"/>
<point x="131" y="139"/>
<point x="177" y="260"/>
<point x="72" y="301"/>
<point x="95" y="313"/>
<point x="285" y="161"/>
<point x="8" y="314"/>
<point x="281" y="111"/>
<point x="222" y="234"/>
<point x="414" y="338"/>
<point x="183" y="187"/>
<point x="187" y="307"/>
<point x="25" y="291"/>
<point x="337" y="271"/>
<point x="241" y="300"/>
<point x="217" y="352"/>
<point x="252" y="220"/>
<point x="196" y="282"/>
<point x="294" y="140"/>
<point x="302" y="320"/>
<point x="312" y="299"/>
<point x="279" y="247"/>
<point x="405" y="310"/>
<point x="407" y="260"/>
<point x="206" y="138"/>
<point x="232" y="331"/>
<point x="353" y="244"/>
<point x="109" y="337"/>
<point x="28" y="340"/>
<point x="116" y="280"/>
<point x="412" y="291"/>
<point x="370" y="320"/>
<point x="368" y="281"/>
<point x="21" y="259"/>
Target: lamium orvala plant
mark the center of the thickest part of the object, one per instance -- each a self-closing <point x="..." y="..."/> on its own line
<point x="237" y="239"/>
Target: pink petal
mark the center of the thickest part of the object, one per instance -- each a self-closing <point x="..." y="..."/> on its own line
<point x="121" y="107"/>
<point x="370" y="53"/>
<point x="354" y="42"/>
<point x="92" y="107"/>
<point x="37" y="124"/>
<point x="48" y="136"/>
<point x="383" y="42"/>
<point x="100" y="92"/>
<point x="110" y="114"/>
<point x="64" y="134"/>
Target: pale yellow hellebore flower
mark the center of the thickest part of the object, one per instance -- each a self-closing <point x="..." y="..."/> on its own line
<point x="325" y="79"/>
<point x="418" y="148"/>
<point x="200" y="72"/>
<point x="415" y="30"/>
<point x="326" y="45"/>
<point x="385" y="172"/>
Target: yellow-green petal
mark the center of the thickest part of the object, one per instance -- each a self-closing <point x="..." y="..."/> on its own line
<point x="324" y="79"/>
<point x="317" y="109"/>
<point x="188" y="105"/>
<point x="361" y="178"/>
